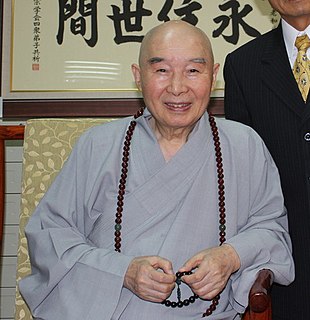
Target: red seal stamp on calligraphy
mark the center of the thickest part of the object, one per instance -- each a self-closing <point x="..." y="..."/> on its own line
<point x="35" y="67"/>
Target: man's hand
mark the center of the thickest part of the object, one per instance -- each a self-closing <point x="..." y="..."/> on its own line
<point x="213" y="269"/>
<point x="150" y="278"/>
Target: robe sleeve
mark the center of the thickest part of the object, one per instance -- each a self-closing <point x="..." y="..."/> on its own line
<point x="262" y="241"/>
<point x="68" y="270"/>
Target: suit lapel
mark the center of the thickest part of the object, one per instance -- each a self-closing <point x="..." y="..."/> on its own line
<point x="306" y="115"/>
<point x="277" y="73"/>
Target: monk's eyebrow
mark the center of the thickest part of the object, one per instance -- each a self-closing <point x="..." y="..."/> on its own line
<point x="199" y="60"/>
<point x="155" y="60"/>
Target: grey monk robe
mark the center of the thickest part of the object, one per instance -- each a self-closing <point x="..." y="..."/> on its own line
<point x="170" y="210"/>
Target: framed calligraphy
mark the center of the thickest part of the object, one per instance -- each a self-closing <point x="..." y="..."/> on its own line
<point x="72" y="58"/>
<point x="89" y="45"/>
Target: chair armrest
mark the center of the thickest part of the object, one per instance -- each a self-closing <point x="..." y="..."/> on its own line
<point x="259" y="297"/>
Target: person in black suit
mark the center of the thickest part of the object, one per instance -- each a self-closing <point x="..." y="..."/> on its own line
<point x="261" y="91"/>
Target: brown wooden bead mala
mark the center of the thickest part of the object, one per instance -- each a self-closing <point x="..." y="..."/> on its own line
<point x="221" y="199"/>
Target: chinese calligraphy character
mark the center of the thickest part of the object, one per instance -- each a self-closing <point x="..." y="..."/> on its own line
<point x="128" y="17"/>
<point x="186" y="12"/>
<point x="236" y="18"/>
<point x="36" y="32"/>
<point x="274" y="17"/>
<point x="86" y="9"/>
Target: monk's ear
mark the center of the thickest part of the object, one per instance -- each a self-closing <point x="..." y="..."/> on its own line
<point x="136" y="74"/>
<point x="216" y="68"/>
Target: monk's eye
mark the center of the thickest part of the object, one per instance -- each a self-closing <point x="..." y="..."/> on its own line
<point x="161" y="70"/>
<point x="193" y="70"/>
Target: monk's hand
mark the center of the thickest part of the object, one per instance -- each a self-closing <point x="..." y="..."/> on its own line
<point x="212" y="269"/>
<point x="150" y="278"/>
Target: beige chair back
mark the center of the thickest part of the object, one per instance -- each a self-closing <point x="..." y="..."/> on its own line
<point x="47" y="145"/>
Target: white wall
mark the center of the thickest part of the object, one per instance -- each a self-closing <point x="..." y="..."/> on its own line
<point x="12" y="203"/>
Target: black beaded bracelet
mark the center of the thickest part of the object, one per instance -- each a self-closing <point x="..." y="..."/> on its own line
<point x="180" y="303"/>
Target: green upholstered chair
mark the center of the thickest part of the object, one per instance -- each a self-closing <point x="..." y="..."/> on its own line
<point x="47" y="145"/>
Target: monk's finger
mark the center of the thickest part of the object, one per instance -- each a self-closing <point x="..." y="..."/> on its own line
<point x="162" y="264"/>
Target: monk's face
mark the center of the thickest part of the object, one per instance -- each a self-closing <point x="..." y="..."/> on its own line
<point x="176" y="74"/>
<point x="295" y="12"/>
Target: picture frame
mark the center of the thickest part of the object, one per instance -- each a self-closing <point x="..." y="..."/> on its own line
<point x="35" y="80"/>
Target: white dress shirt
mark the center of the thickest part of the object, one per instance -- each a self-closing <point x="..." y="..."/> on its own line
<point x="290" y="34"/>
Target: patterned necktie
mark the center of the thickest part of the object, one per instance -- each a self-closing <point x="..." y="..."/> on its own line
<point x="301" y="68"/>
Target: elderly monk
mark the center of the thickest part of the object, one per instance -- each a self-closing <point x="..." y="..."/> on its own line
<point x="168" y="214"/>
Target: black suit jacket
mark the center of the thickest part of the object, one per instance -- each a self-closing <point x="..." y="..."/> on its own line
<point x="260" y="91"/>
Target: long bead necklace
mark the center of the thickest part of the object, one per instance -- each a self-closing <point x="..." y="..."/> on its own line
<point x="221" y="204"/>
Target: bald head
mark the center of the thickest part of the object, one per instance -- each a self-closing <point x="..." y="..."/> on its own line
<point x="175" y="33"/>
<point x="176" y="75"/>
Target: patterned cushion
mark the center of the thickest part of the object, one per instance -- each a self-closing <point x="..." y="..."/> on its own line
<point x="47" y="145"/>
